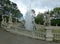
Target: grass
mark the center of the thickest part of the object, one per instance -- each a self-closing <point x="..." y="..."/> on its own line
<point x="56" y="31"/>
<point x="41" y="30"/>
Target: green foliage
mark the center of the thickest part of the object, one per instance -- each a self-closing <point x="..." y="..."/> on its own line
<point x="56" y="31"/>
<point x="0" y="18"/>
<point x="57" y="9"/>
<point x="17" y="13"/>
<point x="39" y="19"/>
<point x="10" y="7"/>
<point x="41" y="30"/>
<point x="51" y="13"/>
<point x="55" y="21"/>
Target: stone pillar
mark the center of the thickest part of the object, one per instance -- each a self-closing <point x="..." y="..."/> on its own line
<point x="49" y="35"/>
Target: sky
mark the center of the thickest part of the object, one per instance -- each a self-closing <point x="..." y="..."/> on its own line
<point x="37" y="5"/>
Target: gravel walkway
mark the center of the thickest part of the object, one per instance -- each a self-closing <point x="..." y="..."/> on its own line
<point x="9" y="38"/>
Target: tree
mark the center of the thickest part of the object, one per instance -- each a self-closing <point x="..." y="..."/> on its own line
<point x="10" y="7"/>
<point x="51" y="13"/>
<point x="55" y="21"/>
<point x="56" y="12"/>
<point x="57" y="9"/>
<point x="39" y="19"/>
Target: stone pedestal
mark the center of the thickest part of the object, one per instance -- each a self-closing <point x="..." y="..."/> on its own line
<point x="9" y="25"/>
<point x="49" y="35"/>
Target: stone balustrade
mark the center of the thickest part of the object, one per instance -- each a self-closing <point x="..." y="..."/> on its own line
<point x="48" y="34"/>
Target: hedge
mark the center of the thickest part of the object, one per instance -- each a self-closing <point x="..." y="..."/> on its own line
<point x="55" y="21"/>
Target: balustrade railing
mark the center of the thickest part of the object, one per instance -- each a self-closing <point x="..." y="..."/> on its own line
<point x="44" y="34"/>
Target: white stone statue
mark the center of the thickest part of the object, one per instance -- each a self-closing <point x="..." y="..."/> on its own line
<point x="10" y="21"/>
<point x="10" y="18"/>
<point x="5" y="22"/>
<point x="47" y="20"/>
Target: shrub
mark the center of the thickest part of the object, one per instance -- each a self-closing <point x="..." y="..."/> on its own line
<point x="55" y="21"/>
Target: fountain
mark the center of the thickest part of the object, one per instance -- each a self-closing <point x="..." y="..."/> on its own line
<point x="29" y="20"/>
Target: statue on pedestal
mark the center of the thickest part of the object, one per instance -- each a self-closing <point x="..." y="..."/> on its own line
<point x="3" y="23"/>
<point x="10" y="21"/>
<point x="47" y="20"/>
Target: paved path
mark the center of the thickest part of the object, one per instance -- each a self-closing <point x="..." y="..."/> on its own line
<point x="9" y="38"/>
